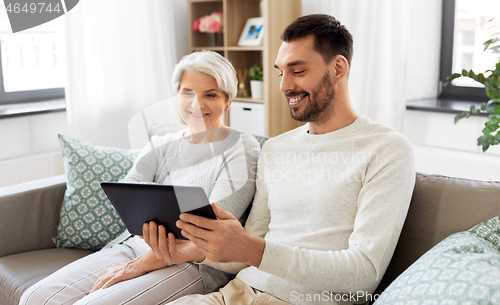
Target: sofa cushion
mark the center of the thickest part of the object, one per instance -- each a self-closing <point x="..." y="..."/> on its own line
<point x="88" y="220"/>
<point x="35" y="204"/>
<point x="464" y="268"/>
<point x="19" y="271"/>
<point x="440" y="206"/>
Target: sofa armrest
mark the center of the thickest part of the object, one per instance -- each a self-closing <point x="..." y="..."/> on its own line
<point x="29" y="214"/>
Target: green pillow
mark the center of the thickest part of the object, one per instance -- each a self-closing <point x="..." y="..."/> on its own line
<point x="462" y="269"/>
<point x="88" y="220"/>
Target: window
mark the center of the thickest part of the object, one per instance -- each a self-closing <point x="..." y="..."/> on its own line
<point x="465" y="29"/>
<point x="32" y="63"/>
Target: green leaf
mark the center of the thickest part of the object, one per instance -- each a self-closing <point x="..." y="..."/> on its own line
<point x="481" y="78"/>
<point x="488" y="130"/>
<point x="489" y="42"/>
<point x="472" y="75"/>
<point x="461" y="115"/>
<point x="256" y="73"/>
<point x="495" y="118"/>
<point x="483" y="107"/>
<point x="484" y="141"/>
<point x="451" y="77"/>
<point x="490" y="127"/>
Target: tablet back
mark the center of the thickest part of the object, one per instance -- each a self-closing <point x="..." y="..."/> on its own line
<point x="137" y="204"/>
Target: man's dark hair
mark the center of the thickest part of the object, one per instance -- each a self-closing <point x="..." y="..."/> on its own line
<point x="330" y="37"/>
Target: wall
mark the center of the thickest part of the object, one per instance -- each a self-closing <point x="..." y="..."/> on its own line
<point x="37" y="134"/>
<point x="31" y="135"/>
<point x="441" y="147"/>
<point x="30" y="149"/>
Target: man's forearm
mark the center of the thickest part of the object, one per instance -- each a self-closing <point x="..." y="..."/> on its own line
<point x="255" y="250"/>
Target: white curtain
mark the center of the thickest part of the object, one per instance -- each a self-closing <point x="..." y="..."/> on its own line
<point x="120" y="58"/>
<point x="396" y="52"/>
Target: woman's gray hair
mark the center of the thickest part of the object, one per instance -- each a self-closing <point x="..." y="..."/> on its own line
<point x="211" y="63"/>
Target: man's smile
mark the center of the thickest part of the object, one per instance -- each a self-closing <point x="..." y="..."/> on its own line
<point x="296" y="101"/>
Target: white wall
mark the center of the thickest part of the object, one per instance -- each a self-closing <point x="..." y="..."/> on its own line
<point x="36" y="134"/>
<point x="31" y="135"/>
<point x="441" y="147"/>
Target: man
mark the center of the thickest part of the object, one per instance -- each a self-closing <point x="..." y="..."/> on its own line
<point x="331" y="196"/>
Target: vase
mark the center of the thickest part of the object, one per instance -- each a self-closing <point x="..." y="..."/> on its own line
<point x="256" y="88"/>
<point x="212" y="39"/>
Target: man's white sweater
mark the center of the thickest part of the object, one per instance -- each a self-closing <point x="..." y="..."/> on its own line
<point x="331" y="208"/>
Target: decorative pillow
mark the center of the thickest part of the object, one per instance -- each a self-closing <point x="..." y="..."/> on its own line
<point x="488" y="230"/>
<point x="88" y="220"/>
<point x="462" y="269"/>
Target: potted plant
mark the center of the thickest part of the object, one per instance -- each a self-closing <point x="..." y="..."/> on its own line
<point x="491" y="82"/>
<point x="256" y="76"/>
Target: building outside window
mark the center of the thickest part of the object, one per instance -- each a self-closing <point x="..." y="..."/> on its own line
<point x="466" y="26"/>
<point x="32" y="62"/>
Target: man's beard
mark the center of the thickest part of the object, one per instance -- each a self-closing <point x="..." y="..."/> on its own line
<point x="319" y="101"/>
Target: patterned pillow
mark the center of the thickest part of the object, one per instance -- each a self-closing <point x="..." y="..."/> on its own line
<point x="88" y="220"/>
<point x="462" y="269"/>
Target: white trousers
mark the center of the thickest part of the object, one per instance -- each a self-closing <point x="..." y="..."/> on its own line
<point x="71" y="284"/>
<point x="234" y="293"/>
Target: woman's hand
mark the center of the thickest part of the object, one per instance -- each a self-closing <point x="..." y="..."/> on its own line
<point x="168" y="248"/>
<point x="135" y="268"/>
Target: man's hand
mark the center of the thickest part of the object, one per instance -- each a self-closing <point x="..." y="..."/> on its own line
<point x="224" y="239"/>
<point x="168" y="248"/>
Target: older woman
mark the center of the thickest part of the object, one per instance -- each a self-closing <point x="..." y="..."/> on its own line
<point x="207" y="154"/>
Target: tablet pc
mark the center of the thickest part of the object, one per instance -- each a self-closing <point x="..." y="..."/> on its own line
<point x="138" y="203"/>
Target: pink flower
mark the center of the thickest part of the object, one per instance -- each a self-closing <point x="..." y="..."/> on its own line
<point x="209" y="23"/>
<point x="196" y="25"/>
<point x="204" y="24"/>
<point x="214" y="26"/>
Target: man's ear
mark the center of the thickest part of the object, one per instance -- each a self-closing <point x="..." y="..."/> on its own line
<point x="340" y="69"/>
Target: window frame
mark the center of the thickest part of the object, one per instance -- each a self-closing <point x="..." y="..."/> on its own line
<point x="447" y="42"/>
<point x="28" y="96"/>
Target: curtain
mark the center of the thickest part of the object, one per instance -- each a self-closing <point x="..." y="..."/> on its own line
<point x="120" y="58"/>
<point x="396" y="52"/>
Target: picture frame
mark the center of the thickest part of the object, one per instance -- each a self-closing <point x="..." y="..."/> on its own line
<point x="252" y="32"/>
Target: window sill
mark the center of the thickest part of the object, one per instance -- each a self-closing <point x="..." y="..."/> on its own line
<point x="22" y="109"/>
<point x="442" y="105"/>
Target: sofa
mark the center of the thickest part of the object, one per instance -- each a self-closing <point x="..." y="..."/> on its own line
<point x="29" y="215"/>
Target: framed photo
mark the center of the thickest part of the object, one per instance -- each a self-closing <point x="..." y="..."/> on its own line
<point x="252" y="32"/>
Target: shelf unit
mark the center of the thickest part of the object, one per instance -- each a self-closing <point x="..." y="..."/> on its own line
<point x="277" y="15"/>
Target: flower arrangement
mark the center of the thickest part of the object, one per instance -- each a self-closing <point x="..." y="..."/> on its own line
<point x="209" y="23"/>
